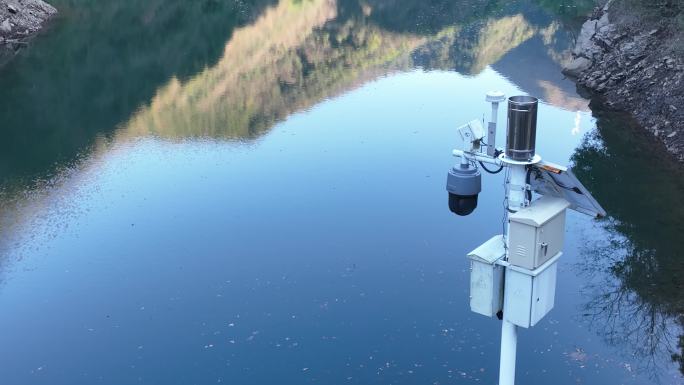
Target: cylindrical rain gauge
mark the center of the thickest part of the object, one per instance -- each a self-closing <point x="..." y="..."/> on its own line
<point x="522" y="128"/>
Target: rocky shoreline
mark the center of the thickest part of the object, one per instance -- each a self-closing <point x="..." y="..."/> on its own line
<point x="19" y="20"/>
<point x="633" y="60"/>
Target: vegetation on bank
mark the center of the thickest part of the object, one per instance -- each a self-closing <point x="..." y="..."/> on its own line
<point x="316" y="58"/>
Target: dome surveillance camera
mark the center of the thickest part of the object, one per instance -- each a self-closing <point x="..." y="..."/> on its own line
<point x="464" y="183"/>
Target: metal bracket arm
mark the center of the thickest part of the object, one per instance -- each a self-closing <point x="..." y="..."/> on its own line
<point x="479" y="157"/>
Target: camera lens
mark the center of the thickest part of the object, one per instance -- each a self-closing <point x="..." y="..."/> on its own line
<point x="462" y="204"/>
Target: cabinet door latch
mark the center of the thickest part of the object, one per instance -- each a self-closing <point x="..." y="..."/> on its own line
<point x="544" y="247"/>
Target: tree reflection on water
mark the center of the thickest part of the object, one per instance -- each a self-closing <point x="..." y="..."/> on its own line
<point x="637" y="298"/>
<point x="232" y="69"/>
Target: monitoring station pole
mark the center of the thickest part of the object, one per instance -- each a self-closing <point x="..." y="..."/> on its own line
<point x="513" y="275"/>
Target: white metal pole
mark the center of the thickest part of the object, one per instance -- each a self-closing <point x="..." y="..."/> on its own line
<point x="509" y="343"/>
<point x="495" y="113"/>
<point x="491" y="130"/>
<point x="516" y="187"/>
<point x="515" y="190"/>
<point x="464" y="160"/>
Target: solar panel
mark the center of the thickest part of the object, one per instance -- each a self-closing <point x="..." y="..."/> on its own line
<point x="559" y="181"/>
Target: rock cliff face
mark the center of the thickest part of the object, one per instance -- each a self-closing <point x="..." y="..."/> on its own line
<point x="20" y="19"/>
<point x="635" y="63"/>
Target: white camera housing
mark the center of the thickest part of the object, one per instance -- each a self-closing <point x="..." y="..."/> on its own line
<point x="472" y="131"/>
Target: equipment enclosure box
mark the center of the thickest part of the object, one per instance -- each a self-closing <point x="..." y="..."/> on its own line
<point x="536" y="232"/>
<point x="487" y="277"/>
<point x="530" y="294"/>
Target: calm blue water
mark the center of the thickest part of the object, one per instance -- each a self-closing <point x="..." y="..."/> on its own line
<point x="276" y="214"/>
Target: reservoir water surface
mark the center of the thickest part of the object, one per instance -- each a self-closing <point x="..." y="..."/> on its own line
<point x="254" y="193"/>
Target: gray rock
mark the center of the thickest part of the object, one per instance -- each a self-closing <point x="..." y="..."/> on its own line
<point x="670" y="63"/>
<point x="585" y="46"/>
<point x="603" y="21"/>
<point x="607" y="6"/>
<point x="577" y="66"/>
<point x="6" y="26"/>
<point x="21" y="18"/>
<point x="607" y="30"/>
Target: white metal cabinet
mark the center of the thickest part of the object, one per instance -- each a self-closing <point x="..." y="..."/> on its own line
<point x="536" y="232"/>
<point x="530" y="294"/>
<point x="487" y="277"/>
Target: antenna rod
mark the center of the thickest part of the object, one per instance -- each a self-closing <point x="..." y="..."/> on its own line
<point x="494" y="97"/>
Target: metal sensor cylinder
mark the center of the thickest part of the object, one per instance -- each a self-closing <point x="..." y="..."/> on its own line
<point x="522" y="128"/>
